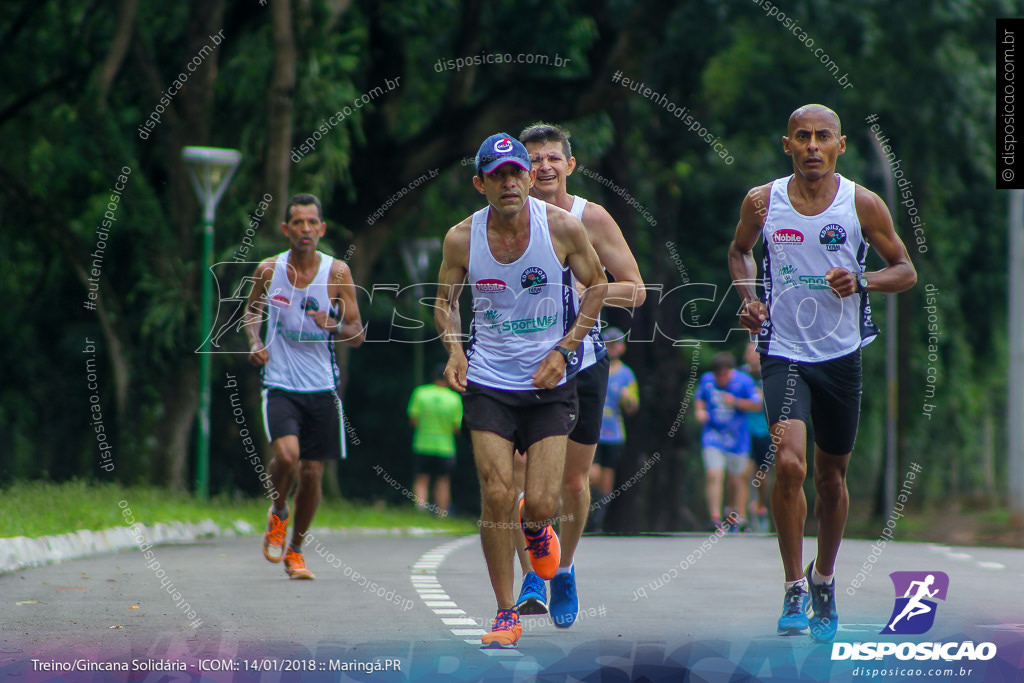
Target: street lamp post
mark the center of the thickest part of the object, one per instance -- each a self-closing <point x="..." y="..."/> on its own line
<point x="210" y="170"/>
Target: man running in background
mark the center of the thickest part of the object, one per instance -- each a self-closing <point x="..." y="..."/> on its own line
<point x="810" y="326"/>
<point x="310" y="302"/>
<point x="519" y="257"/>
<point x="551" y="156"/>
<point x="724" y="397"/>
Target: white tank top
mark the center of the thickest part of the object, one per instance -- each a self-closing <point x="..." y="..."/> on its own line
<point x="301" y="353"/>
<point x="806" y="321"/>
<point x="592" y="349"/>
<point x="521" y="310"/>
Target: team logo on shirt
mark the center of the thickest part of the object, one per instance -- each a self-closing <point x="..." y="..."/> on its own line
<point x="533" y="279"/>
<point x="526" y="325"/>
<point x="788" y="236"/>
<point x="832" y="236"/>
<point x="503" y="146"/>
<point x="309" y="303"/>
<point x="279" y="300"/>
<point x="490" y="286"/>
<point x="815" y="281"/>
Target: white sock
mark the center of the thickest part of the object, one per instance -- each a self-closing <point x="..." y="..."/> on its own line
<point x="564" y="570"/>
<point x="819" y="579"/>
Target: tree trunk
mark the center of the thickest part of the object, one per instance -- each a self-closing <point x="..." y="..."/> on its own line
<point x="118" y="49"/>
<point x="280" y="103"/>
<point x="174" y="428"/>
<point x="194" y="104"/>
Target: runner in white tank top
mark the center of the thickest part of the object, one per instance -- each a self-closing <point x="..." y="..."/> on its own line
<point x="516" y="270"/>
<point x="806" y="321"/>
<point x="302" y="357"/>
<point x="522" y="309"/>
<point x="309" y="298"/>
<point x="812" y="322"/>
<point x="551" y="157"/>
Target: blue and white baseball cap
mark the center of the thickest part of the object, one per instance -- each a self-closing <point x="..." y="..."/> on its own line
<point x="501" y="148"/>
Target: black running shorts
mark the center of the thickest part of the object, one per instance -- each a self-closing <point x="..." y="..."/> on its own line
<point x="437" y="465"/>
<point x="609" y="454"/>
<point x="827" y="392"/>
<point x="316" y="418"/>
<point x="591" y="387"/>
<point x="522" y="417"/>
<point x="761" y="450"/>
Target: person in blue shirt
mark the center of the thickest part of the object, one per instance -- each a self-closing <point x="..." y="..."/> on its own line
<point x="724" y="396"/>
<point x="762" y="455"/>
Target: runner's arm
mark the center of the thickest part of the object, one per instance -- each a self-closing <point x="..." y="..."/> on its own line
<point x="628" y="289"/>
<point x="348" y="328"/>
<point x="254" y="310"/>
<point x="742" y="265"/>
<point x="454" y="268"/>
<point x="876" y="224"/>
<point x="570" y="238"/>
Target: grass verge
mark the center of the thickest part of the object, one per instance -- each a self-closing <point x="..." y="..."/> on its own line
<point x="953" y="524"/>
<point x="36" y="509"/>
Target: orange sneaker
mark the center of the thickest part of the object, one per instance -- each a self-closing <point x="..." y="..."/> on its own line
<point x="544" y="548"/>
<point x="274" y="537"/>
<point x="505" y="631"/>
<point x="295" y="566"/>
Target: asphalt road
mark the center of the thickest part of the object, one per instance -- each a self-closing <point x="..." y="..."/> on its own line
<point x="413" y="607"/>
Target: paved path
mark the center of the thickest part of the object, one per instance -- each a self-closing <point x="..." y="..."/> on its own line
<point x="652" y="606"/>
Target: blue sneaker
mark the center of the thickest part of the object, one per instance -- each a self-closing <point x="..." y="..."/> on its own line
<point x="533" y="598"/>
<point x="795" y="607"/>
<point x="824" y="621"/>
<point x="565" y="604"/>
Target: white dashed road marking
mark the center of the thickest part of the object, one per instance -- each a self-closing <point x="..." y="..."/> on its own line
<point x="424" y="580"/>
<point x="948" y="552"/>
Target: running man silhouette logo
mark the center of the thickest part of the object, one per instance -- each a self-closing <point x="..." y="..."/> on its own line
<point x="914" y="612"/>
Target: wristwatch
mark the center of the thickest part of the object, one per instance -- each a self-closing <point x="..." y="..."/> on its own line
<point x="862" y="282"/>
<point x="570" y="356"/>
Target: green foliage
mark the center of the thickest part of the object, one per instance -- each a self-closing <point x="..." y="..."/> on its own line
<point x="925" y="69"/>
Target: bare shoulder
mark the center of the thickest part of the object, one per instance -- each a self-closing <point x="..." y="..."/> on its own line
<point x="870" y="207"/>
<point x="340" y="271"/>
<point x="757" y="197"/>
<point x="457" y="236"/>
<point x="265" y="270"/>
<point x="598" y="221"/>
<point x="456" y="244"/>
<point x="754" y="210"/>
<point x="562" y="224"/>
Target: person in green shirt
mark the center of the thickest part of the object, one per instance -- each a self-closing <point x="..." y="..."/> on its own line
<point x="435" y="412"/>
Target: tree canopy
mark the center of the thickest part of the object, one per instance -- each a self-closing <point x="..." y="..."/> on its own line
<point x="376" y="107"/>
